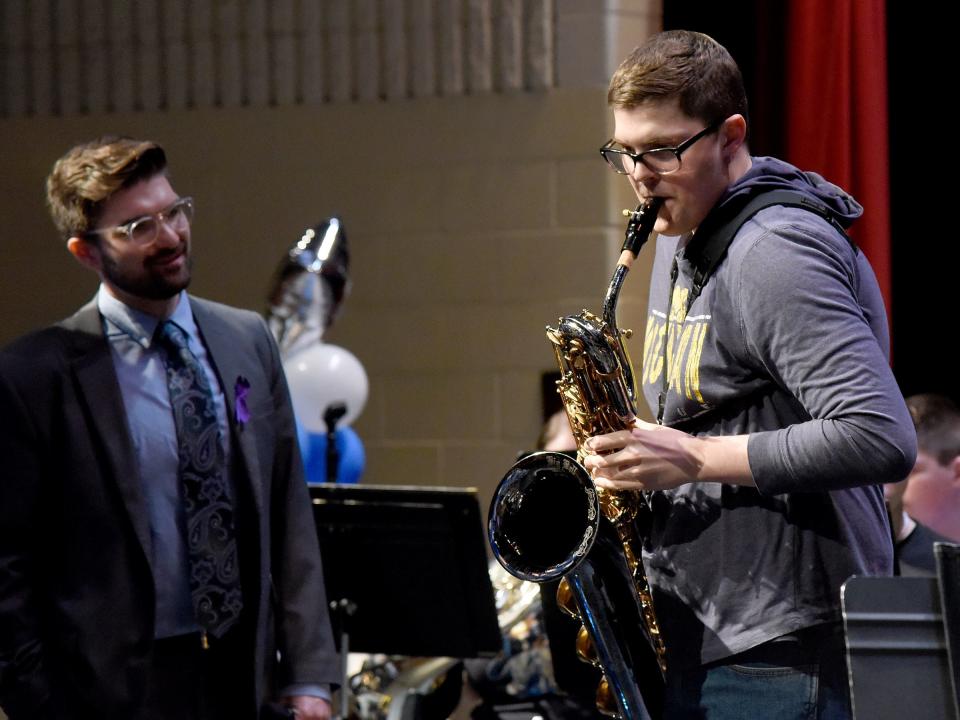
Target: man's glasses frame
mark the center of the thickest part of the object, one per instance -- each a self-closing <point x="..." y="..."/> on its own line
<point x="662" y="161"/>
<point x="144" y="230"/>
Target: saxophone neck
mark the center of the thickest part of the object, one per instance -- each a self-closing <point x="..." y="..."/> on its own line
<point x="613" y="295"/>
<point x="639" y="227"/>
<point x="610" y="319"/>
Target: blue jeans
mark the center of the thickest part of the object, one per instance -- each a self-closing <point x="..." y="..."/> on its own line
<point x="779" y="681"/>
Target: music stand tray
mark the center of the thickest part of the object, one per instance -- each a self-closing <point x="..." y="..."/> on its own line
<point x="896" y="653"/>
<point x="413" y="561"/>
<point x="947" y="558"/>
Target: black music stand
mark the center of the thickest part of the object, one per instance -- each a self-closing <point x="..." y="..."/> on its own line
<point x="947" y="558"/>
<point x="412" y="563"/>
<point x="896" y="652"/>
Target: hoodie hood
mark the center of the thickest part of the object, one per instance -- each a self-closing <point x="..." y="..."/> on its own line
<point x="769" y="173"/>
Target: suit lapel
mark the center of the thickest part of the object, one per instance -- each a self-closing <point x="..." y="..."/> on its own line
<point x="221" y="341"/>
<point x="92" y="364"/>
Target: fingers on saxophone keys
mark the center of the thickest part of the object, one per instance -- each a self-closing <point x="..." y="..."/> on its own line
<point x="592" y="458"/>
<point x="604" y="469"/>
<point x="608" y="442"/>
<point x="619" y="481"/>
<point x="599" y="464"/>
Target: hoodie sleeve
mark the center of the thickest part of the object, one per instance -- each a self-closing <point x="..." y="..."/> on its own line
<point x="811" y="315"/>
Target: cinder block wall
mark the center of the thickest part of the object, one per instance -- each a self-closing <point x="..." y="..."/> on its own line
<point x="472" y="222"/>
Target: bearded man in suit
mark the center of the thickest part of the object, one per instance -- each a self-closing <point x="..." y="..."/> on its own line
<point x="158" y="557"/>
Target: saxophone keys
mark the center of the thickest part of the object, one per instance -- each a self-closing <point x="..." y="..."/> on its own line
<point x="586" y="650"/>
<point x="606" y="703"/>
<point x="566" y="600"/>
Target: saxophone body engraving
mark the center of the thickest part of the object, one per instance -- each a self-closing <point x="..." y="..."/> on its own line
<point x="597" y="400"/>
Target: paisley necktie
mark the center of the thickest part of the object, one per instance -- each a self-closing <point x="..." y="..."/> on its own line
<point x="211" y="540"/>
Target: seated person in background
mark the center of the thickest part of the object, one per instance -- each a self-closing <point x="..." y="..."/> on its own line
<point x="925" y="508"/>
<point x="933" y="487"/>
<point x="556" y="435"/>
<point x="912" y="541"/>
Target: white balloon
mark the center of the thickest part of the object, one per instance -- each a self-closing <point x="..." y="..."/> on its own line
<point x="323" y="374"/>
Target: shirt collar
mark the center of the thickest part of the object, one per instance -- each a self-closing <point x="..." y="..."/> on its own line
<point x="138" y="325"/>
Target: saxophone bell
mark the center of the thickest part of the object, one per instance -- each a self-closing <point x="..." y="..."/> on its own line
<point x="545" y="523"/>
<point x="543" y="518"/>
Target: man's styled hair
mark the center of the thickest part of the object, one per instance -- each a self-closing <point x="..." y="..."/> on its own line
<point x="937" y="420"/>
<point x="88" y="174"/>
<point x="690" y="67"/>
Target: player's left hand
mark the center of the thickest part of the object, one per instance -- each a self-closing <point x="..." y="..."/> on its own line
<point x="647" y="457"/>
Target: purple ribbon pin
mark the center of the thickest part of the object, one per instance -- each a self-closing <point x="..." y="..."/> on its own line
<point x="240" y="391"/>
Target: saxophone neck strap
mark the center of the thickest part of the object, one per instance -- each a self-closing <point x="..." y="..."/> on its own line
<point x="708" y="248"/>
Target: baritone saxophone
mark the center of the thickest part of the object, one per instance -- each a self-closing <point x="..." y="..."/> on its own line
<point x="547" y="515"/>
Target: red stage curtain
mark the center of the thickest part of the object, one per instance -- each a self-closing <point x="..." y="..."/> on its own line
<point x="837" y="110"/>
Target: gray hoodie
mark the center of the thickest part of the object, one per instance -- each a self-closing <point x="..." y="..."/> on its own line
<point x="787" y="342"/>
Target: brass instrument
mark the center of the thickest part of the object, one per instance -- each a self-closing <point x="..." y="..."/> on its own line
<point x="545" y="518"/>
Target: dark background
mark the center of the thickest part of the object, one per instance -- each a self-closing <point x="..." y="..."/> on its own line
<point x="921" y="85"/>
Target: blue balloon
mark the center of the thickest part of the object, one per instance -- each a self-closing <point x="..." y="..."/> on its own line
<point x="313" y="447"/>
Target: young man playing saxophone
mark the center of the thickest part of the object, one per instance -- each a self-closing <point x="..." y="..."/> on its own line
<point x="779" y="411"/>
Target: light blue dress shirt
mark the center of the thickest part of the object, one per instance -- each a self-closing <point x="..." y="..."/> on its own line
<point x="146" y="399"/>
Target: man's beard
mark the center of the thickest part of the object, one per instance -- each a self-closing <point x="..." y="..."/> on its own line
<point x="148" y="283"/>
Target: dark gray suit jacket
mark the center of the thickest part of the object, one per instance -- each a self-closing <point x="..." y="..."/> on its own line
<point x="76" y="588"/>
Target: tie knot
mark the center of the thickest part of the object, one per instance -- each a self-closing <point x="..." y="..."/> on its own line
<point x="171" y="335"/>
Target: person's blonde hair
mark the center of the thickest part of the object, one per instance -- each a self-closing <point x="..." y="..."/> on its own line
<point x="89" y="173"/>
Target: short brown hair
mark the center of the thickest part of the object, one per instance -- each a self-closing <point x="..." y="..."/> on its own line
<point x="937" y="420"/>
<point x="89" y="173"/>
<point x="689" y="66"/>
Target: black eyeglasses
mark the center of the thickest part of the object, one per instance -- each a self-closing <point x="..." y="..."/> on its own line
<point x="145" y="230"/>
<point x="662" y="161"/>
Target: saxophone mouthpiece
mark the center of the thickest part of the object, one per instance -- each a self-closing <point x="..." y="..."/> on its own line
<point x="651" y="205"/>
<point x="640" y="225"/>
